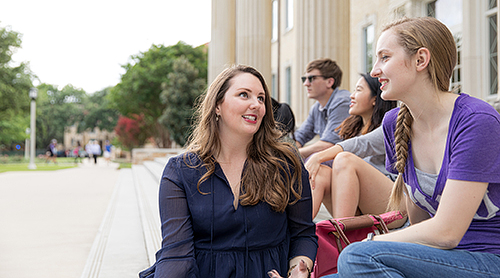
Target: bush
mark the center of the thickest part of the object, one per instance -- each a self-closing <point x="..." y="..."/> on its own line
<point x="5" y="159"/>
<point x="17" y="158"/>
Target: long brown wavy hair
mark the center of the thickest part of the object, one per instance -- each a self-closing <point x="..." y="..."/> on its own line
<point x="353" y="125"/>
<point x="413" y="34"/>
<point x="273" y="168"/>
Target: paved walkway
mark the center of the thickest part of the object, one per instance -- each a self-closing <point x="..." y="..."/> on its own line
<point x="49" y="220"/>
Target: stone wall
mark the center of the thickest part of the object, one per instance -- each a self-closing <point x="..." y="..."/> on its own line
<point x="140" y="155"/>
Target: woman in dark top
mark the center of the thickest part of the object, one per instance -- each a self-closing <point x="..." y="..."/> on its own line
<point x="238" y="202"/>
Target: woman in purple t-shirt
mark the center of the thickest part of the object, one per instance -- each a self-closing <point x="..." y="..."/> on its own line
<point x="440" y="144"/>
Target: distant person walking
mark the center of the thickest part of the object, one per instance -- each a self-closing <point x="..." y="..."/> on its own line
<point x="88" y="150"/>
<point x="51" y="152"/>
<point x="95" y="150"/>
<point x="107" y="151"/>
<point x="76" y="152"/>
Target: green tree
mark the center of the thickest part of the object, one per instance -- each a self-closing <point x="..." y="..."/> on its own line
<point x="15" y="83"/>
<point x="140" y="87"/>
<point x="98" y="112"/>
<point x="56" y="110"/>
<point x="179" y="96"/>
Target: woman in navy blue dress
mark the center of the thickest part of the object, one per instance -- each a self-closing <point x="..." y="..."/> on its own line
<point x="238" y="202"/>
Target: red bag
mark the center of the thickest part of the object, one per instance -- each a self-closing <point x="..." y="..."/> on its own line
<point x="335" y="234"/>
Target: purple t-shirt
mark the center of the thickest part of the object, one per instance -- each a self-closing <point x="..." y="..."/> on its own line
<point x="472" y="153"/>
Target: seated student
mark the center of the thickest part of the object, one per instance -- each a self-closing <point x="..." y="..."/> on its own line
<point x="238" y="202"/>
<point x="284" y="117"/>
<point x="354" y="184"/>
<point x="322" y="80"/>
<point x="440" y="144"/>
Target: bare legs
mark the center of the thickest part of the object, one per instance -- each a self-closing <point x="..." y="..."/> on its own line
<point x="322" y="190"/>
<point x="350" y="184"/>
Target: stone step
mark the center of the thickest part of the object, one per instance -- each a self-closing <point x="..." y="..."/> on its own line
<point x="162" y="160"/>
<point x="147" y="187"/>
<point x="118" y="249"/>
<point x="155" y="169"/>
<point x="129" y="235"/>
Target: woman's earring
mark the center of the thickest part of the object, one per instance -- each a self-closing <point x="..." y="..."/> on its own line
<point x="216" y="117"/>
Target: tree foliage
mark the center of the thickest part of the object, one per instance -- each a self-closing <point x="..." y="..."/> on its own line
<point x="98" y="112"/>
<point x="56" y="110"/>
<point x="15" y="83"/>
<point x="179" y="96"/>
<point x="140" y="87"/>
<point x="131" y="131"/>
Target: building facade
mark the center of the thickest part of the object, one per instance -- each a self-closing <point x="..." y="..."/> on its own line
<point x="72" y="137"/>
<point x="279" y="37"/>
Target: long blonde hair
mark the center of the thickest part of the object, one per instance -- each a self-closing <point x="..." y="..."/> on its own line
<point x="273" y="170"/>
<point x="413" y="34"/>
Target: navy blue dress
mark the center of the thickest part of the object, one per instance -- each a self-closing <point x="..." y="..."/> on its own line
<point x="204" y="236"/>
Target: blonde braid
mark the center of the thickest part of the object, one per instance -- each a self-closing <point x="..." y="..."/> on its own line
<point x="401" y="137"/>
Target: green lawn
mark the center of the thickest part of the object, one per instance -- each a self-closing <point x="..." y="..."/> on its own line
<point x="20" y="164"/>
<point x="39" y="167"/>
<point x="15" y="165"/>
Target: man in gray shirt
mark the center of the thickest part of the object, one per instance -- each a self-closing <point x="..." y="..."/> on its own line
<point x="322" y="80"/>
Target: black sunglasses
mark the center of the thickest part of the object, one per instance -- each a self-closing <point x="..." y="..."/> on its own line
<point x="310" y="78"/>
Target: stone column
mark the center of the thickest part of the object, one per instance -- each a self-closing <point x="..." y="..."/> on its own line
<point x="322" y="32"/>
<point x="221" y="50"/>
<point x="253" y="35"/>
<point x="472" y="66"/>
<point x="496" y="103"/>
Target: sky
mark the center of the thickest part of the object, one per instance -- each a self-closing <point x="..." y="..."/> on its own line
<point x="85" y="43"/>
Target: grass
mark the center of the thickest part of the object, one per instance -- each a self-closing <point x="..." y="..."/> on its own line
<point x="16" y="164"/>
<point x="39" y="167"/>
<point x="123" y="163"/>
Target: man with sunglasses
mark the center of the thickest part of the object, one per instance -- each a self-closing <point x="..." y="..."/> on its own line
<point x="322" y="80"/>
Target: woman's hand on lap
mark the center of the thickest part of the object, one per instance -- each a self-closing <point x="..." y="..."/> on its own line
<point x="312" y="165"/>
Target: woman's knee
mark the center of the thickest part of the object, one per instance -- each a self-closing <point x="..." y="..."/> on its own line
<point x="344" y="161"/>
<point x="355" y="250"/>
<point x="352" y="256"/>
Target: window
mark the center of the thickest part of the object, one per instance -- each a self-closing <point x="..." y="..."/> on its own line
<point x="456" y="77"/>
<point x="431" y="9"/>
<point x="450" y="13"/>
<point x="447" y="11"/>
<point x="274" y="89"/>
<point x="289" y="14"/>
<point x="492" y="4"/>
<point x="368" y="37"/>
<point x="275" y="21"/>
<point x="288" y="86"/>
<point x="492" y="31"/>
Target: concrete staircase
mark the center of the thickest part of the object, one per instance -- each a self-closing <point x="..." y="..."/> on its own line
<point x="129" y="235"/>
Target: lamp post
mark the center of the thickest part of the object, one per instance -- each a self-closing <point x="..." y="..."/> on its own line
<point x="27" y="144"/>
<point x="33" y="95"/>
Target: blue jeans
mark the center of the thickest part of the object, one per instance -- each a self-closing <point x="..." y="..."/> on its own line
<point x="400" y="259"/>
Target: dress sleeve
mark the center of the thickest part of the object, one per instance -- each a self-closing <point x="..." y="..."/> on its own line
<point x="176" y="256"/>
<point x="303" y="241"/>
<point x="365" y="145"/>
